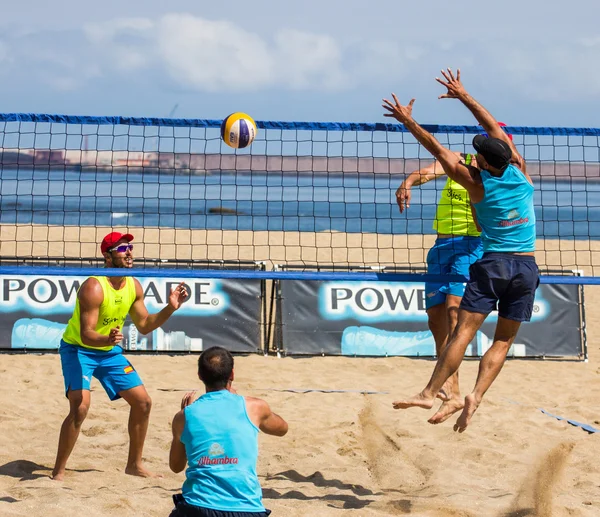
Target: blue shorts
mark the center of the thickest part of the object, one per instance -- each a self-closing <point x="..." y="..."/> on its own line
<point x="111" y="368"/>
<point x="450" y="256"/>
<point x="503" y="281"/>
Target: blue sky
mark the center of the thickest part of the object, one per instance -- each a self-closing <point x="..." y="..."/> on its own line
<point x="531" y="62"/>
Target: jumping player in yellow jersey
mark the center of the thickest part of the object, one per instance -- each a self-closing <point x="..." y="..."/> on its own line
<point x="90" y="348"/>
<point x="458" y="245"/>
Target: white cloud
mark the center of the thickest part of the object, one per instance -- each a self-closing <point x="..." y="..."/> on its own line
<point x="551" y="73"/>
<point x="592" y="41"/>
<point x="204" y="55"/>
<point x="308" y="61"/>
<point x="209" y="55"/>
<point x="212" y="55"/>
<point x="125" y="43"/>
<point x="107" y="31"/>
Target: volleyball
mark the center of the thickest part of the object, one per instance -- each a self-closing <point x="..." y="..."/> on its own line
<point x="238" y="130"/>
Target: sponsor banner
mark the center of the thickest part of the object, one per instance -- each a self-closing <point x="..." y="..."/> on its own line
<point x="35" y="309"/>
<point x="389" y="318"/>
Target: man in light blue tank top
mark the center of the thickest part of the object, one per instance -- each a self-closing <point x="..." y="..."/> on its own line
<point x="216" y="435"/>
<point x="506" y="277"/>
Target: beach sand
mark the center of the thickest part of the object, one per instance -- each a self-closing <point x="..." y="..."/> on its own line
<point x="345" y="453"/>
<point x="271" y="247"/>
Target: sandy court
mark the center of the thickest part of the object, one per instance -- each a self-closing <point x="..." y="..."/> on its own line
<point x="343" y="452"/>
<point x="271" y="247"/>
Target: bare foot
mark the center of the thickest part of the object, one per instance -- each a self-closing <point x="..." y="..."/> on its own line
<point x="58" y="475"/>
<point x="464" y="419"/>
<point x="446" y="392"/>
<point x="447" y="409"/>
<point x="419" y="400"/>
<point x="139" y="470"/>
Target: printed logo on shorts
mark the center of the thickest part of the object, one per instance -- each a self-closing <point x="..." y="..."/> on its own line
<point x="128" y="369"/>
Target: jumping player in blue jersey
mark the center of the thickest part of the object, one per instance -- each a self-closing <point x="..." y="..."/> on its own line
<point x="506" y="276"/>
<point x="217" y="436"/>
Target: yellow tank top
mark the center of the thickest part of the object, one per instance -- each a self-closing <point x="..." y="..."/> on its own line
<point x="453" y="216"/>
<point x="113" y="311"/>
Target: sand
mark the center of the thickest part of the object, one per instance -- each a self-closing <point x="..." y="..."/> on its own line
<point x="345" y="452"/>
<point x="270" y="247"/>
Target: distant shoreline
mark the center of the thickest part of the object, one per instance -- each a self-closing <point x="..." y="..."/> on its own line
<point x="91" y="169"/>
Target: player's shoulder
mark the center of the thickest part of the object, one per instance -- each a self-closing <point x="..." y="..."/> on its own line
<point x="257" y="404"/>
<point x="90" y="286"/>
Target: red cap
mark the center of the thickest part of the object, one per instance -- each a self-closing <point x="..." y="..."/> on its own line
<point x="502" y="124"/>
<point x="112" y="238"/>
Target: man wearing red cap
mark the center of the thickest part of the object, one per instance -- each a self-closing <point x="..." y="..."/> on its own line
<point x="90" y="348"/>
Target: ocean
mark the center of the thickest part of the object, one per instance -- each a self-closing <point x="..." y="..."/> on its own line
<point x="257" y="201"/>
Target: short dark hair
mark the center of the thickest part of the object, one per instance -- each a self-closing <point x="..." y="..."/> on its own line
<point x="215" y="365"/>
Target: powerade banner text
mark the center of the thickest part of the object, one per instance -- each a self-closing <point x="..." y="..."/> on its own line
<point x="389" y="318"/>
<point x="35" y="309"/>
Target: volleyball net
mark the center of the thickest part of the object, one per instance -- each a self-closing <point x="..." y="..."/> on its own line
<point x="303" y="197"/>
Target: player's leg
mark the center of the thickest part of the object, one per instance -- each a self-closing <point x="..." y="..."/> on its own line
<point x="515" y="306"/>
<point x="452" y="401"/>
<point x="77" y="373"/>
<point x="479" y="300"/>
<point x="139" y="417"/>
<point x="489" y="368"/>
<point x="438" y="259"/>
<point x="449" y="362"/>
<point x="120" y="379"/>
<point x="465" y="253"/>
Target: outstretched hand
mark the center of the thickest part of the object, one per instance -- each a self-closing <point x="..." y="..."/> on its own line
<point x="189" y="398"/>
<point x="403" y="196"/>
<point x="453" y="84"/>
<point x="177" y="296"/>
<point x="401" y="113"/>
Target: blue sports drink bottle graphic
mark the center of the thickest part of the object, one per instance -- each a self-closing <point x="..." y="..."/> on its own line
<point x="377" y="342"/>
<point x="37" y="333"/>
<point x="42" y="334"/>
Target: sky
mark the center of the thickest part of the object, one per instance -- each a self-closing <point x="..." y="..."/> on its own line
<point x="530" y="62"/>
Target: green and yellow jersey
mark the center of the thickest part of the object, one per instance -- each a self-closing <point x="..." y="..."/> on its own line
<point x="113" y="311"/>
<point x="454" y="216"/>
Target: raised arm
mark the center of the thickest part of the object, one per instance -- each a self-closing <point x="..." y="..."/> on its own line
<point x="418" y="177"/>
<point x="456" y="90"/>
<point x="450" y="161"/>
<point x="146" y="322"/>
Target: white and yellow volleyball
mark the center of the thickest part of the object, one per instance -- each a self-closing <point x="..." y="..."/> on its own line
<point x="238" y="130"/>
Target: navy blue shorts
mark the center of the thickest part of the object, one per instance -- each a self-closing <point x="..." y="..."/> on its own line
<point x="502" y="281"/>
<point x="183" y="509"/>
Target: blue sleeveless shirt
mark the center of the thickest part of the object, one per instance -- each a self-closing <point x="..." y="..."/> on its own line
<point x="221" y="445"/>
<point x="506" y="214"/>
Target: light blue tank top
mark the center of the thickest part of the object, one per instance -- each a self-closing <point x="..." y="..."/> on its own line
<point x="506" y="214"/>
<point x="221" y="445"/>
